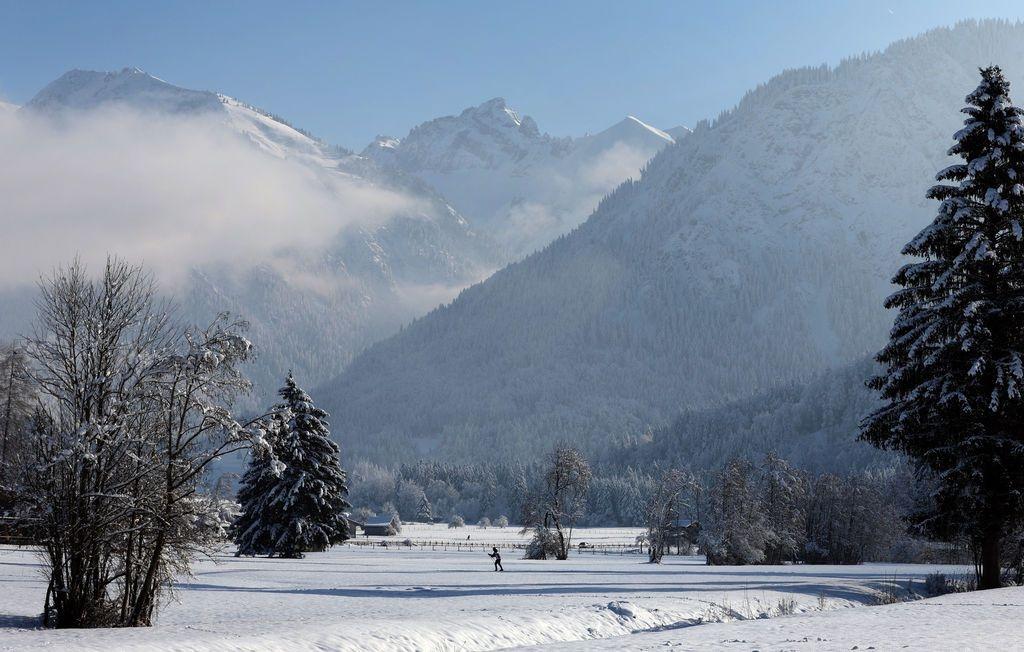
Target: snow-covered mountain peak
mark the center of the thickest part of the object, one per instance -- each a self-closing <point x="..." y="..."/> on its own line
<point x="133" y="87"/>
<point x="488" y="136"/>
<point x="382" y="148"/>
<point x="496" y="113"/>
<point x="523" y="186"/>
<point x="629" y="131"/>
<point x="387" y="142"/>
<point x="633" y="123"/>
<point x="88" y="89"/>
<point x="495" y="110"/>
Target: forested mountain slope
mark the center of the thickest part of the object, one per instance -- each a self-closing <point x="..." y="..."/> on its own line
<point x="813" y="424"/>
<point x="755" y="251"/>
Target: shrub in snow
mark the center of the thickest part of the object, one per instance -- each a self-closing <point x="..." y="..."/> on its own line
<point x="786" y="607"/>
<point x="456" y="521"/>
<point x="484" y="523"/>
<point x="501" y="521"/>
<point x="543" y="545"/>
<point x="936" y="584"/>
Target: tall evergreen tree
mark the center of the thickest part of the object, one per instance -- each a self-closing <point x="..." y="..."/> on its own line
<point x="309" y="500"/>
<point x="954" y="368"/>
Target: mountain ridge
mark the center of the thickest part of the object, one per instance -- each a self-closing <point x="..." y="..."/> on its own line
<point x="755" y="251"/>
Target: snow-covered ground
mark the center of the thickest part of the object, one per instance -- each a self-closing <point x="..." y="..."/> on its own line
<point x="398" y="598"/>
<point x="983" y="620"/>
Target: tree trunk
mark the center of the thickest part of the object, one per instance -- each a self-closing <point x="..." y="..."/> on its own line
<point x="7" y="421"/>
<point x="140" y="614"/>
<point x="991" y="570"/>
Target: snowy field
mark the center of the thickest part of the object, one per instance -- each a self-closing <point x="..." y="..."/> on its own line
<point x="375" y="598"/>
<point x="983" y="620"/>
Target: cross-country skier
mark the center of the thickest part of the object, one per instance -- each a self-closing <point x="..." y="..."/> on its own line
<point x="496" y="556"/>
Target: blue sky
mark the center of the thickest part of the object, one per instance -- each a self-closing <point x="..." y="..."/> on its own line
<point x="349" y="70"/>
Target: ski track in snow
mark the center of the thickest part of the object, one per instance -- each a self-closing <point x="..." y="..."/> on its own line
<point x="397" y="598"/>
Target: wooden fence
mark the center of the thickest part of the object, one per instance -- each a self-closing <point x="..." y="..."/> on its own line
<point x="398" y="543"/>
<point x="15" y="532"/>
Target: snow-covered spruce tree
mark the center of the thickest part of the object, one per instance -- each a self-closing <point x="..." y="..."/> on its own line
<point x="423" y="512"/>
<point x="308" y="503"/>
<point x="954" y="368"/>
<point x="254" y="531"/>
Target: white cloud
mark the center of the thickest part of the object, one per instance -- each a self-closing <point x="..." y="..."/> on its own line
<point x="614" y="165"/>
<point x="168" y="192"/>
<point x="567" y="196"/>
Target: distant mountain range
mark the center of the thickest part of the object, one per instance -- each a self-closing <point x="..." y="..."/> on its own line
<point x="312" y="308"/>
<point x="754" y="252"/>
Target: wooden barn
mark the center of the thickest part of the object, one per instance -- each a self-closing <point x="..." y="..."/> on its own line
<point x="384" y="525"/>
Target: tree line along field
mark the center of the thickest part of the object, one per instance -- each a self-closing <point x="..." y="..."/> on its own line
<point x="374" y="598"/>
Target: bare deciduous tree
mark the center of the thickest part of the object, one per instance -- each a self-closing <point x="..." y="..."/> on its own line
<point x="134" y="409"/>
<point x="16" y="400"/>
<point x="664" y="509"/>
<point x="561" y="499"/>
